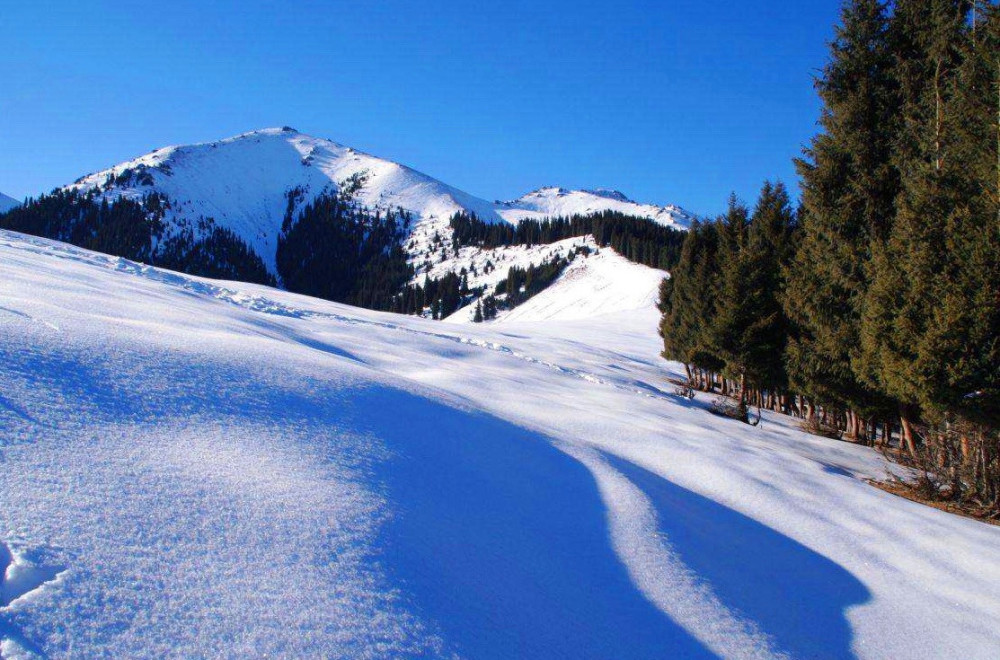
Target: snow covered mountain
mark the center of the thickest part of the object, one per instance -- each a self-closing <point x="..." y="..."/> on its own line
<point x="242" y="183"/>
<point x="598" y="284"/>
<point x="559" y="202"/>
<point x="7" y="203"/>
<point x="200" y="468"/>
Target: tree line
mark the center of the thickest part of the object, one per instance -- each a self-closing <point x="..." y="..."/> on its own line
<point x="637" y="239"/>
<point x="443" y="296"/>
<point x="134" y="229"/>
<point x="451" y="292"/>
<point x="335" y="249"/>
<point x="874" y="311"/>
<point x="522" y="284"/>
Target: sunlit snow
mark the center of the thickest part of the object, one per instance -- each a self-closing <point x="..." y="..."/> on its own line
<point x="196" y="468"/>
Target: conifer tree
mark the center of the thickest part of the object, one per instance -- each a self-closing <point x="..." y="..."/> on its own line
<point x="687" y="300"/>
<point x="735" y="330"/>
<point x="848" y="190"/>
<point x="769" y="250"/>
<point x="750" y="330"/>
<point x="908" y="269"/>
<point x="932" y="318"/>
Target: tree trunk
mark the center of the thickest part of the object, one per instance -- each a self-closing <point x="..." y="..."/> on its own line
<point x="937" y="116"/>
<point x="906" y="424"/>
<point x="743" y="398"/>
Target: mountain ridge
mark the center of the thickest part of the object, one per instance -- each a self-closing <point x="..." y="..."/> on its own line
<point x="257" y="207"/>
<point x="7" y="203"/>
<point x="242" y="182"/>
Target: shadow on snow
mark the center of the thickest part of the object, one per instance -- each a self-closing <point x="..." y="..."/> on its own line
<point x="498" y="538"/>
<point x="795" y="595"/>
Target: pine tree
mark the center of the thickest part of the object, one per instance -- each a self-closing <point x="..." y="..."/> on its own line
<point x="848" y="190"/>
<point x="741" y="323"/>
<point x="898" y="355"/>
<point x="687" y="300"/>
<point x="769" y="250"/>
<point x="932" y="321"/>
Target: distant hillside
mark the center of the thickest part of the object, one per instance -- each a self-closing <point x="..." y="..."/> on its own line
<point x="276" y="206"/>
<point x="7" y="203"/>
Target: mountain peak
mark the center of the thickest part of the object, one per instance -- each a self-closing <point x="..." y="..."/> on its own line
<point x="554" y="201"/>
<point x="242" y="183"/>
<point x="609" y="194"/>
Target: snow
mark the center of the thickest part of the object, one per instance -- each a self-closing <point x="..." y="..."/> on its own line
<point x="7" y="203"/>
<point x="596" y="283"/>
<point x="554" y="202"/>
<point x="242" y="183"/>
<point x="592" y="286"/>
<point x="200" y="468"/>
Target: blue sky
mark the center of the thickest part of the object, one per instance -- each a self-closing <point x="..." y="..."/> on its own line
<point x="671" y="102"/>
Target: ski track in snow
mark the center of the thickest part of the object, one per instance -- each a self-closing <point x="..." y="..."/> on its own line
<point x="661" y="547"/>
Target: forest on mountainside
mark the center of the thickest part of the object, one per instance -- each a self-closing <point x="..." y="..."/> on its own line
<point x="134" y="229"/>
<point x="335" y="249"/>
<point x="640" y="240"/>
<point x="873" y="310"/>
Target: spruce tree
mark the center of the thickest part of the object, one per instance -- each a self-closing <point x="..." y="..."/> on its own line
<point x="849" y="187"/>
<point x="750" y="329"/>
<point x="932" y="320"/>
<point x="735" y="330"/>
<point x="909" y="271"/>
<point x="688" y="301"/>
<point x="769" y="250"/>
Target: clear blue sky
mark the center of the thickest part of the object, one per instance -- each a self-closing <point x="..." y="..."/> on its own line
<point x="675" y="101"/>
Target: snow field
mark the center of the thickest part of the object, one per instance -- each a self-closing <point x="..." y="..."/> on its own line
<point x="215" y="468"/>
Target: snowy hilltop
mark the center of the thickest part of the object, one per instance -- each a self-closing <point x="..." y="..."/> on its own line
<point x="559" y="202"/>
<point x="315" y="217"/>
<point x="243" y="184"/>
<point x="7" y="203"/>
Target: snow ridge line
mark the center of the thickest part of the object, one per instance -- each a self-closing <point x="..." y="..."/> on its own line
<point x="661" y="575"/>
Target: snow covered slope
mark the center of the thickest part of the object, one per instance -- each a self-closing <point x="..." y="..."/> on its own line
<point x="242" y="183"/>
<point x="555" y="202"/>
<point x="7" y="203"/>
<point x="596" y="284"/>
<point x="194" y="468"/>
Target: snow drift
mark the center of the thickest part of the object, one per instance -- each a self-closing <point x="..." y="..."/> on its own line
<point x="195" y="467"/>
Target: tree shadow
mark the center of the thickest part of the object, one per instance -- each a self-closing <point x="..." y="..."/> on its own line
<point x="497" y="537"/>
<point x="794" y="594"/>
<point x="501" y="540"/>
